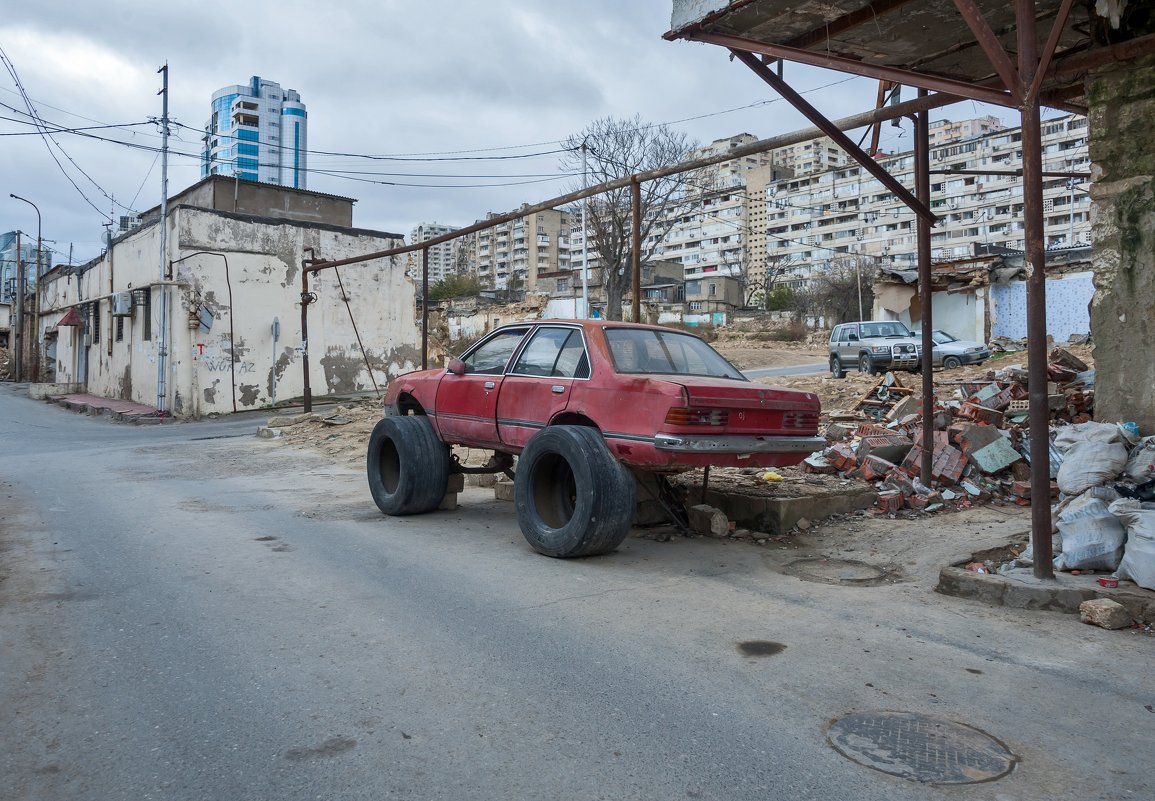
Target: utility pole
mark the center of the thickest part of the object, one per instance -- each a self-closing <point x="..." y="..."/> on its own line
<point x="36" y="296"/>
<point x="18" y="345"/>
<point x="585" y="239"/>
<point x="162" y="290"/>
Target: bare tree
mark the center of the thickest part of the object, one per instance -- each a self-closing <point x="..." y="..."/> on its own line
<point x="760" y="283"/>
<point x="617" y="148"/>
<point x="834" y="292"/>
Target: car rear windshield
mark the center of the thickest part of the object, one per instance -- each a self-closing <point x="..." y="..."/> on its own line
<point x="640" y="350"/>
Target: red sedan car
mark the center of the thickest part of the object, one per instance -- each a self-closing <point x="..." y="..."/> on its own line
<point x="585" y="405"/>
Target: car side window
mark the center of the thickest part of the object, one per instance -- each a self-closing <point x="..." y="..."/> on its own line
<point x="555" y="352"/>
<point x="492" y="356"/>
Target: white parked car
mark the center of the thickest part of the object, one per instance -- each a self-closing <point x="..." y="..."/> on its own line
<point x="951" y="352"/>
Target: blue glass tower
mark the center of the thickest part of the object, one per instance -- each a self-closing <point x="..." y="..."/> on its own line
<point x="257" y="132"/>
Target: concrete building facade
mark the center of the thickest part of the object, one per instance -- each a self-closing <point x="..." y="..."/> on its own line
<point x="257" y="132"/>
<point x="228" y="308"/>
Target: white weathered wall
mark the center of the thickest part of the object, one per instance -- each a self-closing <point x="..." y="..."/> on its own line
<point x="264" y="270"/>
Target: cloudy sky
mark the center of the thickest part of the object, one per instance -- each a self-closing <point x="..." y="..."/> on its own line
<point x="445" y="85"/>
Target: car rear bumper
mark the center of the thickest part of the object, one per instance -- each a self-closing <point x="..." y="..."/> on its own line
<point x="735" y="444"/>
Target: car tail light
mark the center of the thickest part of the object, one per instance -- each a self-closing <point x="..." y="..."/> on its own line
<point x="807" y="421"/>
<point x="689" y="416"/>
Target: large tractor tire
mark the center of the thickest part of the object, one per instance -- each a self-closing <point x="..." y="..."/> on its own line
<point x="573" y="497"/>
<point x="407" y="466"/>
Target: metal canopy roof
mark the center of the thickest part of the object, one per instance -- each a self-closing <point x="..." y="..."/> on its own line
<point x="927" y="43"/>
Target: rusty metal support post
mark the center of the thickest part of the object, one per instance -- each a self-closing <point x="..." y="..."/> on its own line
<point x="636" y="245"/>
<point x="1040" y="414"/>
<point x="925" y="294"/>
<point x="306" y="296"/>
<point x="425" y="308"/>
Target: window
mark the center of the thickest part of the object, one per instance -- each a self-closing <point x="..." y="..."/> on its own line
<point x="120" y="329"/>
<point x="493" y="354"/>
<point x="554" y="352"/>
<point x="666" y="352"/>
<point x="95" y="321"/>
<point x="711" y="289"/>
<point x="146" y="314"/>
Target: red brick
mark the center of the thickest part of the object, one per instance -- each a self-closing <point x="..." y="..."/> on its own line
<point x="899" y="480"/>
<point x="874" y="468"/>
<point x="912" y="464"/>
<point x="889" y="502"/>
<point x="841" y="456"/>
<point x="948" y="464"/>
<point x="871" y="430"/>
<point x="892" y="447"/>
<point x="918" y="502"/>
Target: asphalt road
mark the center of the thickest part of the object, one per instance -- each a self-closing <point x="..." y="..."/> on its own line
<point x="794" y="369"/>
<point x="188" y="612"/>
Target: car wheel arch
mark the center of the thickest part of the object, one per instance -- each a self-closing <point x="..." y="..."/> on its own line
<point x="406" y="404"/>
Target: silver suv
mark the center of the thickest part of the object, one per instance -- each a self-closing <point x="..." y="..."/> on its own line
<point x="873" y="346"/>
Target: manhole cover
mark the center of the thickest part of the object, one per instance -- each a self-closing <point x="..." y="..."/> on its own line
<point x="921" y="748"/>
<point x="837" y="571"/>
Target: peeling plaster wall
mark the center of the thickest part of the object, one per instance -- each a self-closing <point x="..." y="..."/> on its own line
<point x="209" y="366"/>
<point x="1122" y="102"/>
<point x="1067" y="300"/>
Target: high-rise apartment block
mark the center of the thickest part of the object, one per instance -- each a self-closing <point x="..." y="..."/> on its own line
<point x="976" y="189"/>
<point x="515" y="254"/>
<point x="257" y="132"/>
<point x="442" y="263"/>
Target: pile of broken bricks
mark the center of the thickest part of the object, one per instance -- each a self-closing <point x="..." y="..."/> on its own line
<point x="981" y="446"/>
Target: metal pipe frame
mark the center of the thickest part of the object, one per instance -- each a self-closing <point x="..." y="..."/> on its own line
<point x="761" y="146"/>
<point x="636" y="245"/>
<point x="842" y="140"/>
<point x="921" y="80"/>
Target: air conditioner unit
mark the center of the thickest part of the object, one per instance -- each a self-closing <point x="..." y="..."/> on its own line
<point x="121" y="304"/>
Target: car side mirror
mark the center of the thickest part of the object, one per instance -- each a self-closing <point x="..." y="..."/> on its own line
<point x="457" y="367"/>
<point x="853" y="337"/>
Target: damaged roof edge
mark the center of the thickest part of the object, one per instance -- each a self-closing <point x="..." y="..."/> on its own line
<point x="689" y="14"/>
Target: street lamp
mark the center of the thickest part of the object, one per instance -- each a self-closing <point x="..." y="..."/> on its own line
<point x="19" y="365"/>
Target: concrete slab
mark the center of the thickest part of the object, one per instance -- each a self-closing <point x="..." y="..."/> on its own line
<point x="1019" y="589"/>
<point x="777" y="507"/>
<point x="119" y="410"/>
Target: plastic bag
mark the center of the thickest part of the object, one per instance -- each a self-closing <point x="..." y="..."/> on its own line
<point x="1089" y="464"/>
<point x="1070" y="436"/>
<point x="1092" y="537"/>
<point x="1138" y="563"/>
<point x="1141" y="463"/>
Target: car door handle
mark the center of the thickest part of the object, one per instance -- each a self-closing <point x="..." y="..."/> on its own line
<point x="490" y="385"/>
<point x="557" y="389"/>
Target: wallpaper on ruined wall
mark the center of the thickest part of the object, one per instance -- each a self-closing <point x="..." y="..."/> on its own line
<point x="1067" y="301"/>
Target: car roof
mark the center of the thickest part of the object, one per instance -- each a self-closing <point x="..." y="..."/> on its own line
<point x="595" y="324"/>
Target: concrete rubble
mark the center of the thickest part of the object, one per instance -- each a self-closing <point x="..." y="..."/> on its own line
<point x="981" y="444"/>
<point x="982" y="456"/>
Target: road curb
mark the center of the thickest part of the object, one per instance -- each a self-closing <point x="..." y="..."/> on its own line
<point x="1021" y="590"/>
